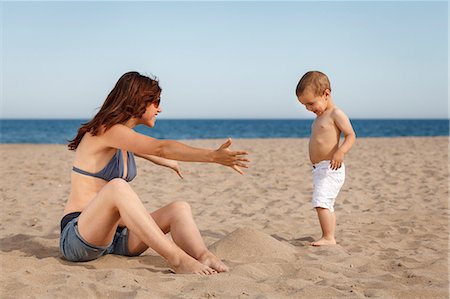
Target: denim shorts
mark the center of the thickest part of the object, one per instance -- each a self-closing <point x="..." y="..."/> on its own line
<point x="75" y="249"/>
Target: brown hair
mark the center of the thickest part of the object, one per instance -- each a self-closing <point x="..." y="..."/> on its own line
<point x="315" y="81"/>
<point x="130" y="97"/>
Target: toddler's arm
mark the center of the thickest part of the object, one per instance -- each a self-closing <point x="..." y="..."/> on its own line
<point x="343" y="123"/>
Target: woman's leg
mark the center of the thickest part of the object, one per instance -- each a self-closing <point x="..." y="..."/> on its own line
<point x="118" y="202"/>
<point x="177" y="219"/>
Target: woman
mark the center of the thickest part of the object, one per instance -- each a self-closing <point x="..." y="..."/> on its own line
<point x="103" y="214"/>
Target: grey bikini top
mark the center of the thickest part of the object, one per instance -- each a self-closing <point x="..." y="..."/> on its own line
<point x="114" y="169"/>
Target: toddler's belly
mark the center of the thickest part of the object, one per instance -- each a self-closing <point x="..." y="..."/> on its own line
<point x="321" y="151"/>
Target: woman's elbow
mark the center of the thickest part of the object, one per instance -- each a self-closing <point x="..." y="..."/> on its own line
<point x="162" y="148"/>
<point x="156" y="148"/>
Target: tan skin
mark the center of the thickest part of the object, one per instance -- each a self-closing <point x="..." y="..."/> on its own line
<point x="106" y="205"/>
<point x="326" y="130"/>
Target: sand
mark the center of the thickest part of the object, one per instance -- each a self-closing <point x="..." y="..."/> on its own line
<point x="392" y="231"/>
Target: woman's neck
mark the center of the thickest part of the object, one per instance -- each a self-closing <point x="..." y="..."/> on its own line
<point x="131" y="123"/>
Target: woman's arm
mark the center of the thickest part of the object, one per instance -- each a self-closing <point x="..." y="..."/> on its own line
<point x="172" y="164"/>
<point x="120" y="136"/>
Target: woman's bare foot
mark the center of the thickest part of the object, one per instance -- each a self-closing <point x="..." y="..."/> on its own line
<point x="209" y="259"/>
<point x="324" y="241"/>
<point x="188" y="265"/>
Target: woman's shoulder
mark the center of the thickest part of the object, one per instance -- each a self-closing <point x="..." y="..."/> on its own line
<point x="118" y="133"/>
<point x="117" y="129"/>
<point x="93" y="144"/>
<point x="123" y="137"/>
<point x="104" y="134"/>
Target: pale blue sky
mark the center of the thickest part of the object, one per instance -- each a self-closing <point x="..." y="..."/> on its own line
<point x="226" y="59"/>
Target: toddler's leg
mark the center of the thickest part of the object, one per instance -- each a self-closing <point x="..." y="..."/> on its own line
<point x="327" y="221"/>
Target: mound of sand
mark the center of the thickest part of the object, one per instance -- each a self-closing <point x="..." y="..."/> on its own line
<point x="251" y="245"/>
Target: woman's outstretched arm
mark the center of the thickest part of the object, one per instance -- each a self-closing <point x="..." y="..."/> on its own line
<point x="172" y="164"/>
<point x="120" y="136"/>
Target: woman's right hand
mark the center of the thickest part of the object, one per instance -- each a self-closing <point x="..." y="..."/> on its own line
<point x="223" y="155"/>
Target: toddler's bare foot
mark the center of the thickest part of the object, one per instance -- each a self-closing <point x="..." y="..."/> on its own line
<point x="324" y="241"/>
<point x="189" y="265"/>
<point x="210" y="260"/>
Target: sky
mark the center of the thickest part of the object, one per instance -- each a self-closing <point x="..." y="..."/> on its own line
<point x="226" y="59"/>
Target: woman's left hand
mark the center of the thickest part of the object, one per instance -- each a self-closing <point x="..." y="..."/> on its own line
<point x="172" y="164"/>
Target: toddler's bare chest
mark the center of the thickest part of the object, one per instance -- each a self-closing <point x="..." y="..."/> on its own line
<point x="323" y="127"/>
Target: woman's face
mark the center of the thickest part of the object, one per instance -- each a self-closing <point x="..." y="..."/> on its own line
<point x="149" y="117"/>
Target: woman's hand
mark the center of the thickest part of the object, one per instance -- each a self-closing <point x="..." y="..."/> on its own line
<point x="172" y="164"/>
<point x="223" y="155"/>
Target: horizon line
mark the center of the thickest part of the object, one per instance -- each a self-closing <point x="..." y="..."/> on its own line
<point x="244" y="118"/>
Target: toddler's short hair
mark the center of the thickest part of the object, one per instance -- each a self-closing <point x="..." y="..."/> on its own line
<point x="314" y="81"/>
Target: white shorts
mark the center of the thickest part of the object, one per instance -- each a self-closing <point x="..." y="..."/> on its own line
<point x="327" y="183"/>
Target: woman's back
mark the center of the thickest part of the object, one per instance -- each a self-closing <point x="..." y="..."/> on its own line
<point x="91" y="156"/>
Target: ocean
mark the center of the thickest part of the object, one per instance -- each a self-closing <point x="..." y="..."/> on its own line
<point x="58" y="131"/>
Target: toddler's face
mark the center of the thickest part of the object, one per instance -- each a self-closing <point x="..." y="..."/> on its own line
<point x="314" y="103"/>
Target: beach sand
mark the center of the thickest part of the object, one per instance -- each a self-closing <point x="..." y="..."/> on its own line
<point x="392" y="225"/>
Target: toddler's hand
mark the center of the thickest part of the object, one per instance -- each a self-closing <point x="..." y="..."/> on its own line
<point x="336" y="160"/>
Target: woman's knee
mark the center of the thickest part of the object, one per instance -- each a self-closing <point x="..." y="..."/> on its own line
<point x="118" y="185"/>
<point x="181" y="206"/>
<point x="118" y="189"/>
